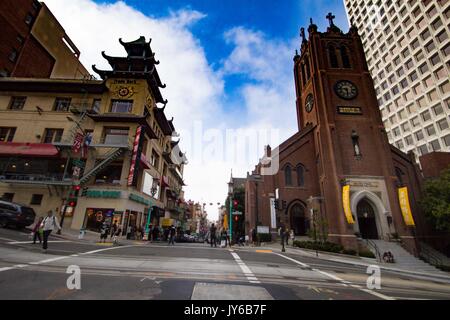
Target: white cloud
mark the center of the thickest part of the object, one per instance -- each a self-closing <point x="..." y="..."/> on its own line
<point x="194" y="89"/>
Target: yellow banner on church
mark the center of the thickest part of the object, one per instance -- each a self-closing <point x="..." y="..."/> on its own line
<point x="403" y="199"/>
<point x="346" y="204"/>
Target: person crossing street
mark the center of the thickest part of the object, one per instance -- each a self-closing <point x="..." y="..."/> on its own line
<point x="212" y="234"/>
<point x="49" y="224"/>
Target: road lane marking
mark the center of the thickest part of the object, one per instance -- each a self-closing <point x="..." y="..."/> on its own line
<point x="58" y="258"/>
<point x="31" y="242"/>
<point x="263" y="251"/>
<point x="342" y="281"/>
<point x="246" y="270"/>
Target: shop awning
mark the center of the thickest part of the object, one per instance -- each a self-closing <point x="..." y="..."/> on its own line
<point x="28" y="149"/>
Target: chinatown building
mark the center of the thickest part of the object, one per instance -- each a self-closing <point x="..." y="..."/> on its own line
<point x="93" y="150"/>
<point x="339" y="168"/>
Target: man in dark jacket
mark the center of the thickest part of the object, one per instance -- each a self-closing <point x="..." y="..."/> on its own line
<point x="212" y="232"/>
<point x="172" y="233"/>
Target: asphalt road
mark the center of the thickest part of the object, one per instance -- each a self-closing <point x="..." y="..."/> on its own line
<point x="189" y="271"/>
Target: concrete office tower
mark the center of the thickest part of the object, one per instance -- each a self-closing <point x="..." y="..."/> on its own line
<point x="408" y="52"/>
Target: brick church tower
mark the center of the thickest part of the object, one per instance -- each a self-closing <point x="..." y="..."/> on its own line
<point x="336" y="96"/>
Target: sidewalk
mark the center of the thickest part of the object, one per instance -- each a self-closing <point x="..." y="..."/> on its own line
<point x="90" y="237"/>
<point x="347" y="259"/>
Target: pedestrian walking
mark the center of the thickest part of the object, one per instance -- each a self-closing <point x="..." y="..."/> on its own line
<point x="228" y="240"/>
<point x="117" y="235"/>
<point x="49" y="224"/>
<point x="172" y="233"/>
<point x="292" y="236"/>
<point x="212" y="234"/>
<point x="113" y="229"/>
<point x="129" y="230"/>
<point x="37" y="230"/>
<point x="104" y="230"/>
<point x="254" y="236"/>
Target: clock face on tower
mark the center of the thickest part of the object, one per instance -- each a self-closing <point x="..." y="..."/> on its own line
<point x="309" y="103"/>
<point x="346" y="90"/>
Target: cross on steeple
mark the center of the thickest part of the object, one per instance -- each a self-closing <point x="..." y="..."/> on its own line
<point x="331" y="17"/>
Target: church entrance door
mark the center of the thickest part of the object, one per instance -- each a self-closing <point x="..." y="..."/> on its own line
<point x="298" y="220"/>
<point x="367" y="220"/>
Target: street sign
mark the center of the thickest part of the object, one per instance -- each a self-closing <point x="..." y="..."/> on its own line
<point x="263" y="229"/>
<point x="237" y="213"/>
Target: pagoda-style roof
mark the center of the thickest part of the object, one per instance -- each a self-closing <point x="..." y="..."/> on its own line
<point x="140" y="63"/>
<point x="166" y="126"/>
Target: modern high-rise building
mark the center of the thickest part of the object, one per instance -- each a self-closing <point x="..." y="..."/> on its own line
<point x="408" y="53"/>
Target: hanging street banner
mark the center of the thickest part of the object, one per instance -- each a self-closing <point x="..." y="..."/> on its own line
<point x="77" y="142"/>
<point x="403" y="199"/>
<point x="273" y="213"/>
<point x="346" y="204"/>
<point x="137" y="150"/>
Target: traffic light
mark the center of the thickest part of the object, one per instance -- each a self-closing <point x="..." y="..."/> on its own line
<point x="283" y="204"/>
<point x="236" y="218"/>
<point x="72" y="203"/>
<point x="75" y="191"/>
<point x="277" y="204"/>
<point x="235" y="204"/>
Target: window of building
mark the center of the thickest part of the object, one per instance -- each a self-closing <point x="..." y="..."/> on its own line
<point x="300" y="176"/>
<point x="155" y="159"/>
<point x="13" y="55"/>
<point x="17" y="103"/>
<point x="409" y="140"/>
<point x="426" y="115"/>
<point x="7" y="134"/>
<point x="435" y="59"/>
<point x="115" y="136"/>
<point x="437" y="109"/>
<point x="52" y="135"/>
<point x="333" y="56"/>
<point x="435" y="145"/>
<point x="288" y="175"/>
<point x="121" y="106"/>
<point x="430" y="130"/>
<point x="36" y="199"/>
<point x="29" y="19"/>
<point x="442" y="124"/>
<point x="62" y="104"/>
<point x="446" y="140"/>
<point x="345" y="58"/>
<point x="111" y="174"/>
<point x="423" y="149"/>
<point x="419" y="135"/>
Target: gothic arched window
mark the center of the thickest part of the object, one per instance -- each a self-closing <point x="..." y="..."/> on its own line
<point x="345" y="58"/>
<point x="333" y="57"/>
<point x="288" y="175"/>
<point x="300" y="175"/>
<point x="303" y="74"/>
<point x="308" y="69"/>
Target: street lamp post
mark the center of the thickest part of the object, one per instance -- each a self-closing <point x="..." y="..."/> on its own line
<point x="230" y="195"/>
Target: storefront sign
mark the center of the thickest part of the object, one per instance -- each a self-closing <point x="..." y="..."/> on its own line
<point x="346" y="204"/>
<point x="167" y="222"/>
<point x="139" y="199"/>
<point x="403" y="199"/>
<point x="137" y="150"/>
<point x="349" y="110"/>
<point x="103" y="194"/>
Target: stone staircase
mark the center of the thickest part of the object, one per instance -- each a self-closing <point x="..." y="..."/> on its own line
<point x="403" y="259"/>
<point x="433" y="256"/>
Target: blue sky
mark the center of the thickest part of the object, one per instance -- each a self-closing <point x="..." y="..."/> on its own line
<point x="280" y="19"/>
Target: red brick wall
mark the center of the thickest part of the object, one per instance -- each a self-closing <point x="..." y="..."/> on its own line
<point x="32" y="60"/>
<point x="35" y="61"/>
<point x="434" y="163"/>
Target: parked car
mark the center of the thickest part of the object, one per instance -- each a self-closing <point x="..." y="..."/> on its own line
<point x="14" y="214"/>
<point x="184" y="238"/>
